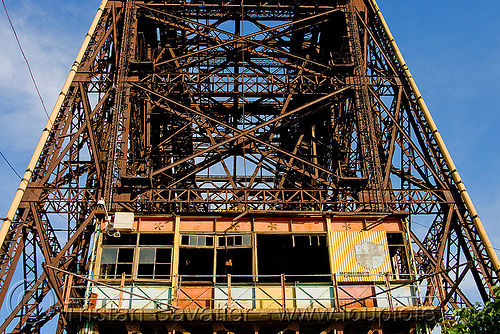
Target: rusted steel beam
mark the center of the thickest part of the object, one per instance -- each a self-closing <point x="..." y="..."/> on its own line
<point x="248" y="132"/>
<point x="438" y="267"/>
<point x="11" y="257"/>
<point x="171" y="102"/>
<point x="55" y="261"/>
<point x="238" y="38"/>
<point x="90" y="131"/>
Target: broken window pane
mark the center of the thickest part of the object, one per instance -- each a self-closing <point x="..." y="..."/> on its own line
<point x="108" y="271"/>
<point x="145" y="270"/>
<point x="124" y="239"/>
<point x="163" y="255"/>
<point x="162" y="271"/>
<point x="123" y="268"/>
<point x="156" y="239"/>
<point x="234" y="261"/>
<point x="126" y="255"/>
<point x="395" y="238"/>
<point x="196" y="261"/>
<point x="304" y="258"/>
<point x="209" y="240"/>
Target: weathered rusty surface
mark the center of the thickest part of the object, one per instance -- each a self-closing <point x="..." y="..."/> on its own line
<point x="283" y="117"/>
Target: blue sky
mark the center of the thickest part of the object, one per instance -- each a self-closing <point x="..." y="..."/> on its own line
<point x="453" y="51"/>
<point x="451" y="47"/>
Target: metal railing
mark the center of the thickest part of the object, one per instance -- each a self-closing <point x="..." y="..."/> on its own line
<point x="250" y="292"/>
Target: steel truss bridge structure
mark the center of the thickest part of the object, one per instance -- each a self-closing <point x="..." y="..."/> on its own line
<point x="243" y="109"/>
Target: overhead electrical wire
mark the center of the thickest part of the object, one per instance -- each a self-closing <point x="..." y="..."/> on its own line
<point x="31" y="75"/>
<point x="8" y="163"/>
<point x="26" y="60"/>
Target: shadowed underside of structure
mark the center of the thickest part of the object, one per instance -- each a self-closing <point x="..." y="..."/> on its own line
<point x="241" y="167"/>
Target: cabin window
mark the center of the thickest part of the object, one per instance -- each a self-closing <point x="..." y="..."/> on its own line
<point x="196" y="264"/>
<point x="398" y="256"/>
<point x="115" y="261"/>
<point x="235" y="257"/>
<point x="154" y="263"/>
<point x="197" y="240"/>
<point x="303" y="258"/>
<point x="138" y="255"/>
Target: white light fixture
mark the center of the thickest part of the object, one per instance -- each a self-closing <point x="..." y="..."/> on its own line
<point x="101" y="203"/>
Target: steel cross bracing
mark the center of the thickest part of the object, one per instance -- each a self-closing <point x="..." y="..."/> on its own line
<point x="250" y="107"/>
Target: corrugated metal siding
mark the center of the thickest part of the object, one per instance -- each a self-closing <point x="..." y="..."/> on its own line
<point x="345" y="265"/>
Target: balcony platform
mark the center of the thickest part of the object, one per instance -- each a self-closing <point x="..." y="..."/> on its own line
<point x="407" y="313"/>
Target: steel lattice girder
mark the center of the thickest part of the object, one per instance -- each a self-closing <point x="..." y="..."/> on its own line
<point x="197" y="107"/>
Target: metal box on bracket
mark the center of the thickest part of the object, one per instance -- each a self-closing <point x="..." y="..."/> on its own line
<point x="124" y="221"/>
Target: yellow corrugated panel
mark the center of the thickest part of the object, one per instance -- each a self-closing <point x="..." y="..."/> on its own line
<point x="346" y="266"/>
